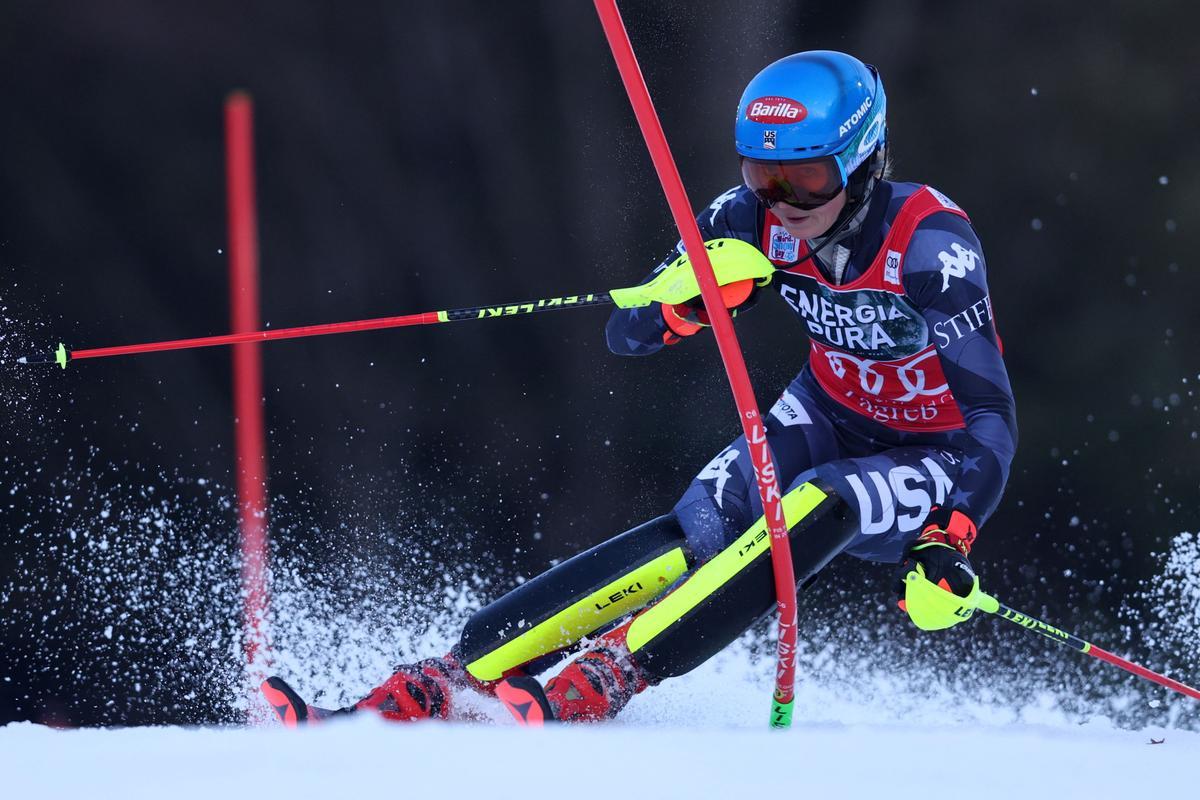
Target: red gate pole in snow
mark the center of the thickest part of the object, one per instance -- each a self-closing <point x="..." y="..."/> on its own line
<point x="731" y="354"/>
<point x="250" y="441"/>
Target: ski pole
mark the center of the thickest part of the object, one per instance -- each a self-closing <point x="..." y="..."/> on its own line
<point x="62" y="355"/>
<point x="675" y="283"/>
<point x="993" y="606"/>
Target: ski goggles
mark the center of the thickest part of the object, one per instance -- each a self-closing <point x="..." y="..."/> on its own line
<point x="806" y="184"/>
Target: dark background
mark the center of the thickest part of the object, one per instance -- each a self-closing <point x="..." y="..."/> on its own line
<point x="418" y="156"/>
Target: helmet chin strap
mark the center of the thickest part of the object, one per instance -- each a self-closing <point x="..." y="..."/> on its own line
<point x="858" y="203"/>
<point x="849" y="222"/>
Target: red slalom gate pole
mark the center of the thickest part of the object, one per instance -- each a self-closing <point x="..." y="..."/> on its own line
<point x="731" y="354"/>
<point x="247" y="371"/>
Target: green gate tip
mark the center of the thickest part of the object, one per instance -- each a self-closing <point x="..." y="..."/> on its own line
<point x="60" y="355"/>
<point x="781" y="713"/>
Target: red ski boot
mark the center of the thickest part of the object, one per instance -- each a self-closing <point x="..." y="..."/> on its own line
<point x="416" y="691"/>
<point x="593" y="687"/>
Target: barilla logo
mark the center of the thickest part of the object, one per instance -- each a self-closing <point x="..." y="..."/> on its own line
<point x="774" y="110"/>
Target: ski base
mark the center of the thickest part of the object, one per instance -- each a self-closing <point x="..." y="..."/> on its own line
<point x="289" y="707"/>
<point x="525" y="699"/>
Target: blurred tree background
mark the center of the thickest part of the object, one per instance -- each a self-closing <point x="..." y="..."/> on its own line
<point x="418" y="156"/>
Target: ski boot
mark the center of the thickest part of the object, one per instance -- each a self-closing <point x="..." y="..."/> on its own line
<point x="415" y="692"/>
<point x="593" y="687"/>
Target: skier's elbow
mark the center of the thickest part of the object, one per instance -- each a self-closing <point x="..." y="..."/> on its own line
<point x="624" y="339"/>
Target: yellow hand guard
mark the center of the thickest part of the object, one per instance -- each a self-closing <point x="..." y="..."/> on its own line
<point x="932" y="608"/>
<point x="732" y="260"/>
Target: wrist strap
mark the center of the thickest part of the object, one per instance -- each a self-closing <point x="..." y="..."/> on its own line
<point x="954" y="529"/>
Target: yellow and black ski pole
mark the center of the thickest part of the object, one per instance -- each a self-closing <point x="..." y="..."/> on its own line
<point x="939" y="608"/>
<point x="674" y="284"/>
<point x="993" y="606"/>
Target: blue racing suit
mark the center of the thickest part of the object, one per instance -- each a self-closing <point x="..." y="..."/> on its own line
<point x="904" y="404"/>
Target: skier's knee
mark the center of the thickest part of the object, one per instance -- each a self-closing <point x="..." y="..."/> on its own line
<point x="718" y="504"/>
<point x="730" y="591"/>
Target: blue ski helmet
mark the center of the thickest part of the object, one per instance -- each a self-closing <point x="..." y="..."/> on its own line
<point x="820" y="107"/>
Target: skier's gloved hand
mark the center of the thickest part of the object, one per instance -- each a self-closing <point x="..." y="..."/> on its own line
<point x="685" y="319"/>
<point x="935" y="583"/>
<point x="952" y="528"/>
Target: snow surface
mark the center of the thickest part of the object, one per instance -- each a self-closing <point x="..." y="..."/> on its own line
<point x="366" y="758"/>
<point x="145" y="577"/>
<point x="861" y="731"/>
<point x="882" y="711"/>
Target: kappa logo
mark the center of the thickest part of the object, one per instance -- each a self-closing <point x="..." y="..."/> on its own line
<point x="957" y="265"/>
<point x="784" y="246"/>
<point x="901" y="499"/>
<point x="891" y="267"/>
<point x="718" y="470"/>
<point x="716" y="207"/>
<point x="789" y="411"/>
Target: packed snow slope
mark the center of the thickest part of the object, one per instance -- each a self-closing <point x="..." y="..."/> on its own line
<point x="366" y="758"/>
<point x="882" y="711"/>
<point x="859" y="732"/>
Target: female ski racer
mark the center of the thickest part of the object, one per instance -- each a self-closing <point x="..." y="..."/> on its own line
<point x="893" y="443"/>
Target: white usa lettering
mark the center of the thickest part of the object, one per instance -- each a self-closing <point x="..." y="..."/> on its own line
<point x="905" y="490"/>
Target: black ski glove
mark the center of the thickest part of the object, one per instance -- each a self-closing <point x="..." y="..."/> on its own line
<point x="943" y="566"/>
